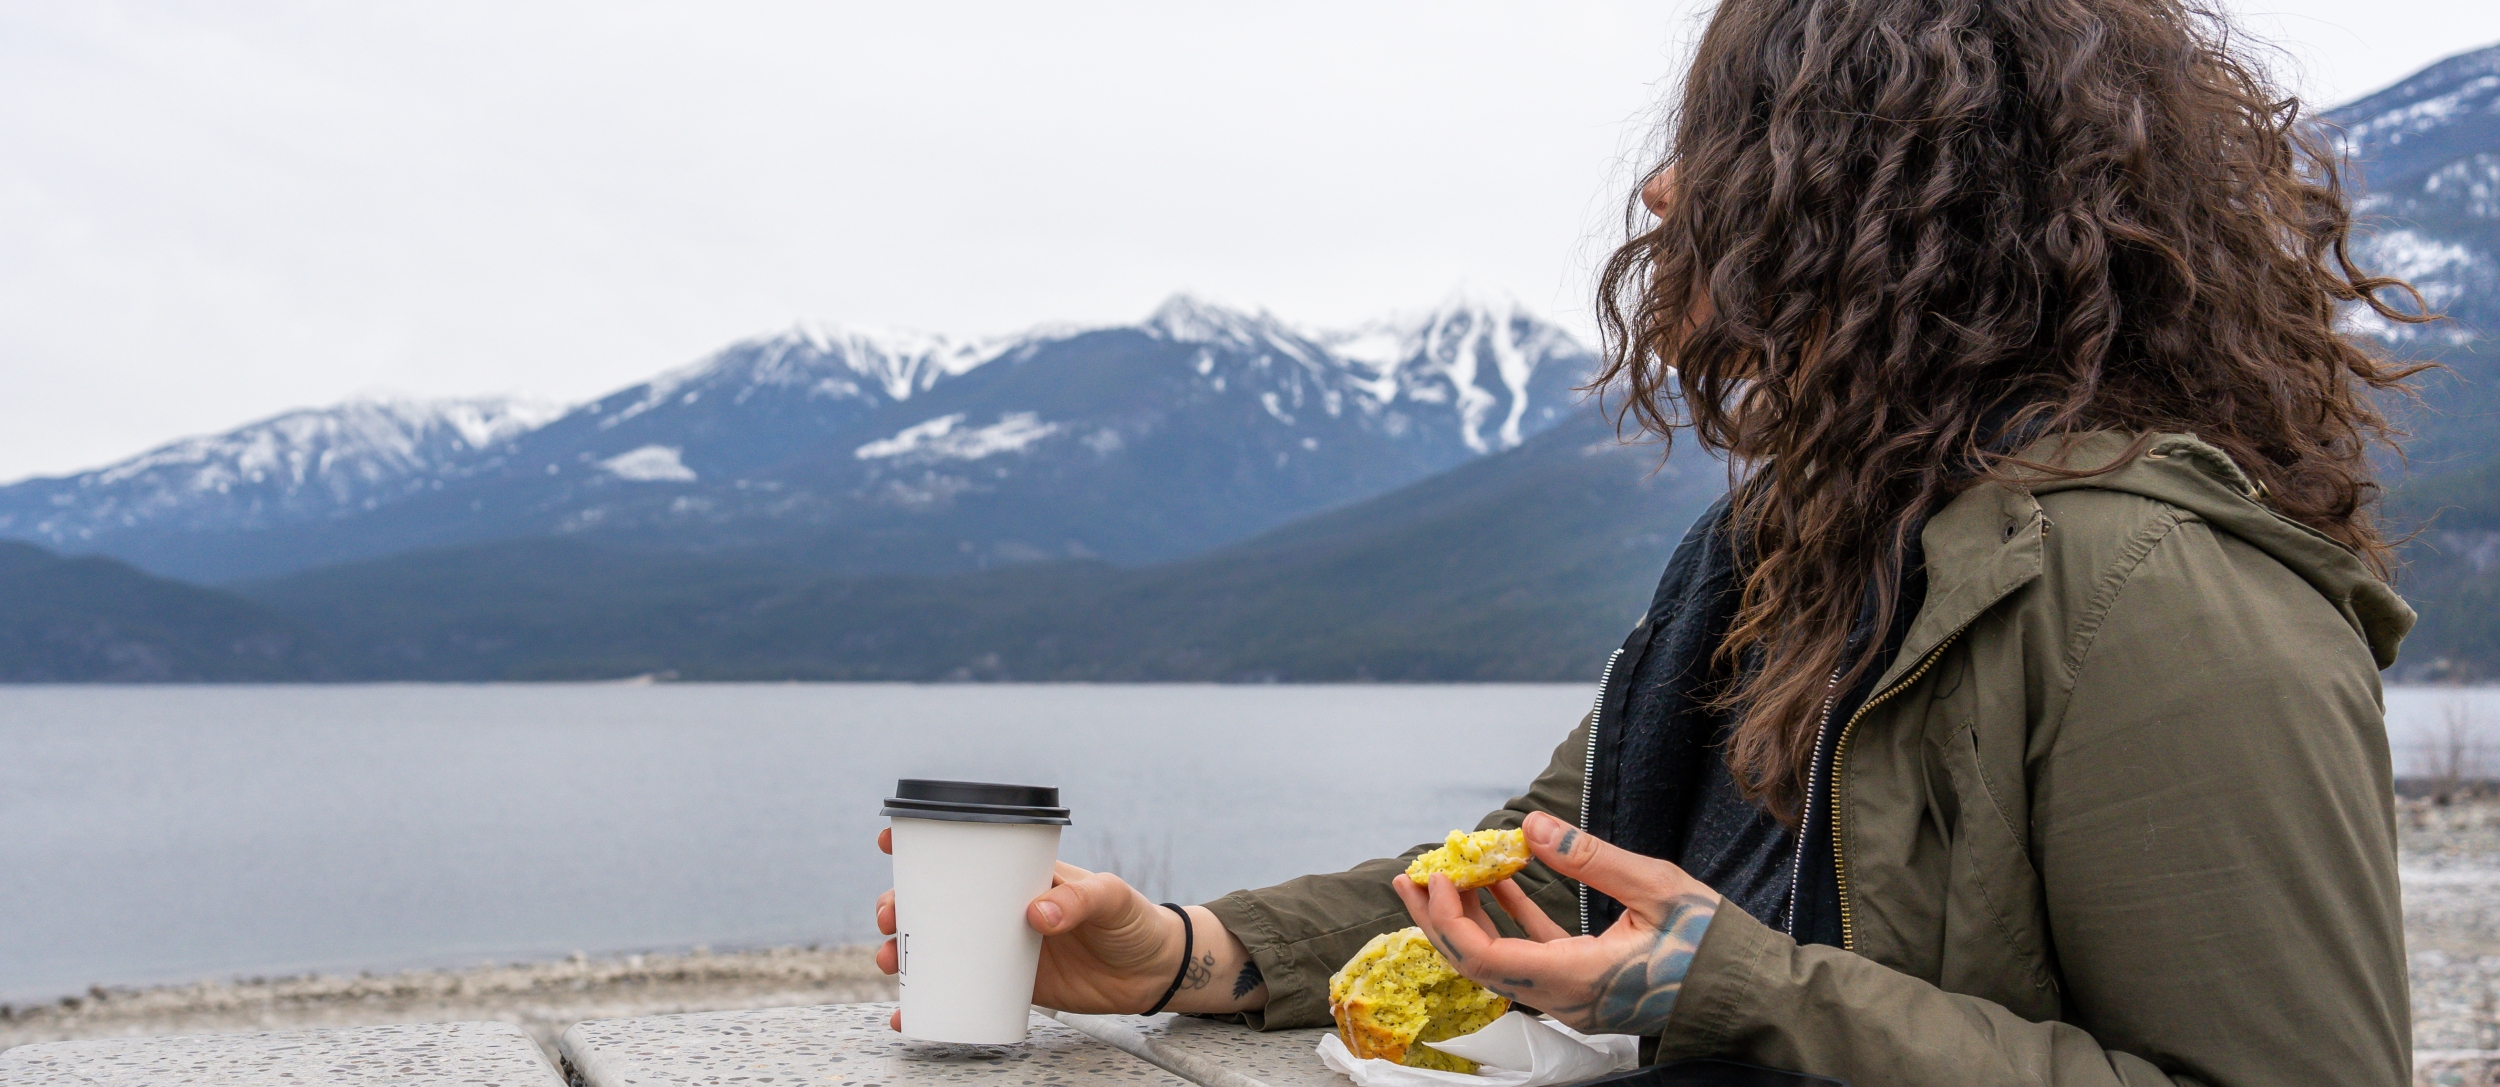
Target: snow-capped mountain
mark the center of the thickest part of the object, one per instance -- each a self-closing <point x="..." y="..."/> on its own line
<point x="748" y="404"/>
<point x="1199" y="425"/>
<point x="2429" y="150"/>
<point x="1483" y="356"/>
<point x="317" y="463"/>
<point x="858" y="448"/>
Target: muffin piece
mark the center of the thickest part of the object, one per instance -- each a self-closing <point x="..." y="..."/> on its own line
<point x="1397" y="995"/>
<point x="1481" y="859"/>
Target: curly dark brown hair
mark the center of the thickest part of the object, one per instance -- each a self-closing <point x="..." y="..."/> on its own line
<point x="1900" y="231"/>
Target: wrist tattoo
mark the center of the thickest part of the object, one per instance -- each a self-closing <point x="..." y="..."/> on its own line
<point x="1637" y="994"/>
<point x="1200" y="971"/>
<point x="1249" y="978"/>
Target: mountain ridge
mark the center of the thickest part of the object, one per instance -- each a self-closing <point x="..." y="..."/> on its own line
<point x="811" y="444"/>
<point x="296" y="466"/>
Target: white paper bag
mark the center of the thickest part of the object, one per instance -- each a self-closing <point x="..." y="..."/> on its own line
<point x="1516" y="1050"/>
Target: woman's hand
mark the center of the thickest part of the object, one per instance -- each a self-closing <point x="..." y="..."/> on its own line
<point x="1109" y="950"/>
<point x="1623" y="981"/>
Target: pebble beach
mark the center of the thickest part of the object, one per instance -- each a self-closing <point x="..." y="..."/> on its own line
<point x="2450" y="862"/>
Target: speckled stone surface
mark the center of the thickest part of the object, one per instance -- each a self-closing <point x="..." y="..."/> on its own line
<point x="842" y="1045"/>
<point x="1215" y="1054"/>
<point x="467" y="1054"/>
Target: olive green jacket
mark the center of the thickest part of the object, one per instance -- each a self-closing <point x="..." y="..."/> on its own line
<point x="2120" y="812"/>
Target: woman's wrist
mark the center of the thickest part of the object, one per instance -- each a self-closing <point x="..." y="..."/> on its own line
<point x="1217" y="977"/>
<point x="1182" y="969"/>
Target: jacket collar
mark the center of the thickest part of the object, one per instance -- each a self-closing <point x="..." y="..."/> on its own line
<point x="1982" y="546"/>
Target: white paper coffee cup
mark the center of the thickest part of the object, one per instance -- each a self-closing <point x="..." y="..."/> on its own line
<point x="969" y="856"/>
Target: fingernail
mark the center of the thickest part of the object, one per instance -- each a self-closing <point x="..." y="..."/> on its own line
<point x="1049" y="912"/>
<point x="1543" y="829"/>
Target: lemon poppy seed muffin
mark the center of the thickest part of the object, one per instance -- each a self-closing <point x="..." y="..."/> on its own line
<point x="1397" y="995"/>
<point x="1481" y="859"/>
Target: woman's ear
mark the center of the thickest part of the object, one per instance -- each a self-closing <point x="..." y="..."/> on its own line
<point x="1657" y="189"/>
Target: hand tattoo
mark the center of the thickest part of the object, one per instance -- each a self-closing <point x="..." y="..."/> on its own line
<point x="1249" y="978"/>
<point x="1570" y="838"/>
<point x="1637" y="994"/>
<point x="1199" y="972"/>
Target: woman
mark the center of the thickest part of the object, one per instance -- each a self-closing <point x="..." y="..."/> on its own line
<point x="2017" y="717"/>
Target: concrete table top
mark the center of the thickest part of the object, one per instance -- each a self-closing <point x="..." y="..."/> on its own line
<point x="842" y="1045"/>
<point x="1214" y="1054"/>
<point x="467" y="1054"/>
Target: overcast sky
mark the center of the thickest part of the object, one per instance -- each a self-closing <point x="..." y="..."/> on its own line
<point x="212" y="213"/>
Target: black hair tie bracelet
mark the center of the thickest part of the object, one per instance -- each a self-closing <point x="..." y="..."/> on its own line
<point x="1189" y="940"/>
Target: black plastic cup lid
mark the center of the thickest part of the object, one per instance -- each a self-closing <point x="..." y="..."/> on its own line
<point x="975" y="802"/>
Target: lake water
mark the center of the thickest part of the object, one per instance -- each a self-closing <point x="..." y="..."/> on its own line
<point x="154" y="834"/>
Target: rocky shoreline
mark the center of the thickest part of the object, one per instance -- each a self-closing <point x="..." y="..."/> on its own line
<point x="2450" y="859"/>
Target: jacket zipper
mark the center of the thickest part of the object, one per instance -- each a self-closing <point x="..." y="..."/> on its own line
<point x="1588" y="769"/>
<point x="1840" y="754"/>
<point x="1797" y="870"/>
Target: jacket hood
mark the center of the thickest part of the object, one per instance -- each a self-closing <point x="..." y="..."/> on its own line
<point x="2185" y="472"/>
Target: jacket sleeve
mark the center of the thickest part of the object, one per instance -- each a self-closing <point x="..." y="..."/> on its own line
<point x="2211" y="818"/>
<point x="1300" y="931"/>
